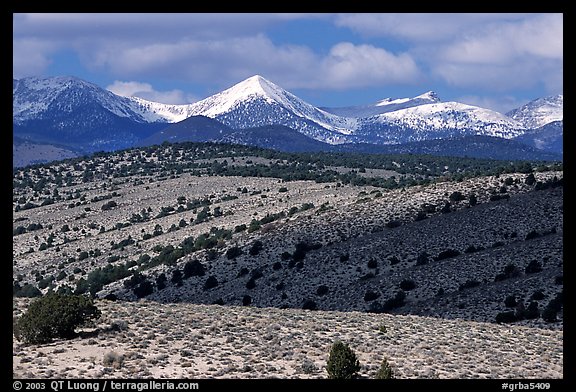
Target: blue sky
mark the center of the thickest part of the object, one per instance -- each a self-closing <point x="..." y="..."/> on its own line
<point x="497" y="61"/>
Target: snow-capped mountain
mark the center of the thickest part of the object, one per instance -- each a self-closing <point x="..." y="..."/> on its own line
<point x="35" y="98"/>
<point x="539" y="112"/>
<point x="71" y="112"/>
<point x="77" y="113"/>
<point x="436" y="121"/>
<point x="384" y="106"/>
<point x="256" y="102"/>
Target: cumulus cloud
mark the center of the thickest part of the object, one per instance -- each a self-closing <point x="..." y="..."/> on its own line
<point x="145" y="91"/>
<point x="345" y="66"/>
<point x="30" y="57"/>
<point x="420" y="27"/>
<point x="540" y="37"/>
<point x="349" y="65"/>
<point x="507" y="56"/>
<point x="496" y="52"/>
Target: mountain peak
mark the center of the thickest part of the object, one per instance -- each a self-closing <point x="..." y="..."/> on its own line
<point x="540" y="111"/>
<point x="254" y="85"/>
<point x="429" y="95"/>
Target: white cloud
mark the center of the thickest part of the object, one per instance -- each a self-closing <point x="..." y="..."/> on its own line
<point x="539" y="37"/>
<point x="497" y="52"/>
<point x="292" y="66"/>
<point x="30" y="57"/>
<point x="145" y="91"/>
<point x="420" y="27"/>
<point x="503" y="56"/>
<point x="349" y="66"/>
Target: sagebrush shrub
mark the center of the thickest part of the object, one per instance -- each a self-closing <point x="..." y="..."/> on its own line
<point x="385" y="371"/>
<point x="54" y="316"/>
<point x="342" y="362"/>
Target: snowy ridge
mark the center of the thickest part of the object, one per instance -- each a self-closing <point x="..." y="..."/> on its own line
<point x="448" y="114"/>
<point x="428" y="96"/>
<point x="75" y="108"/>
<point x="33" y="97"/>
<point x="161" y="112"/>
<point x="384" y="106"/>
<point x="539" y="112"/>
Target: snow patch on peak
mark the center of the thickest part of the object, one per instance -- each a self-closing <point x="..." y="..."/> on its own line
<point x="388" y="101"/>
<point x="160" y="112"/>
<point x="429" y="95"/>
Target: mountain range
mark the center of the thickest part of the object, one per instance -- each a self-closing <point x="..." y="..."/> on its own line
<point x="70" y="112"/>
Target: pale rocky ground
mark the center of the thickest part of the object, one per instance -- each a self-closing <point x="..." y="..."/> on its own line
<point x="212" y="341"/>
<point x="175" y="332"/>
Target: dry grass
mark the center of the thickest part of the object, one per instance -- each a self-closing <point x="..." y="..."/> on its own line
<point x="211" y="341"/>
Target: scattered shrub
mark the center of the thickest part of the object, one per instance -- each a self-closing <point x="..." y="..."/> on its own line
<point x="372" y="263"/>
<point x="308" y="367"/>
<point x="456" y="196"/>
<point x="530" y="179"/>
<point x="395" y="302"/>
<point x="143" y="289"/>
<point x="233" y="252"/>
<point x="407" y="285"/>
<point x="470" y="283"/>
<point x="309" y="305"/>
<point x="161" y="281"/>
<point x="445" y="254"/>
<point x="342" y="362"/>
<point x="537" y="296"/>
<point x="194" y="268"/>
<point x="256" y="247"/>
<point x="210" y="283"/>
<point x="113" y="359"/>
<point x="322" y="290"/>
<point x="551" y="310"/>
<point x="533" y="266"/>
<point x="243" y="271"/>
<point x="385" y="371"/>
<point x="251" y="283"/>
<point x="510" y="301"/>
<point x="54" y="316"/>
<point x="370" y="295"/>
<point x="506" y="317"/>
<point x="532" y="311"/>
<point x="446" y="209"/>
<point x="176" y="277"/>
